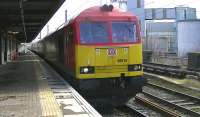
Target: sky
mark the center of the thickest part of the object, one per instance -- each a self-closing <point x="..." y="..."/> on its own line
<point x="75" y="6"/>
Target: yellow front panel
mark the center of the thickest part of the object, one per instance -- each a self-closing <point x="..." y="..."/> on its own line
<point x="135" y="54"/>
<point x="106" y="65"/>
<point x="85" y="56"/>
<point x="102" y="58"/>
<point x="111" y="69"/>
<point x="122" y="56"/>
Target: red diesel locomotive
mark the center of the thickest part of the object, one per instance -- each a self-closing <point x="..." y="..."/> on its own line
<point x="99" y="50"/>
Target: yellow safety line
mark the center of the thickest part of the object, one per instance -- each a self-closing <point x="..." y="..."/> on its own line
<point x="49" y="106"/>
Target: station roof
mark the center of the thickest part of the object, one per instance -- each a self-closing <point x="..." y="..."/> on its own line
<point x="36" y="15"/>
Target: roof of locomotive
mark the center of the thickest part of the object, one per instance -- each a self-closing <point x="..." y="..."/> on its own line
<point x="96" y="11"/>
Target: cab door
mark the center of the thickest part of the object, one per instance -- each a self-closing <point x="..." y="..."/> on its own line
<point x="70" y="47"/>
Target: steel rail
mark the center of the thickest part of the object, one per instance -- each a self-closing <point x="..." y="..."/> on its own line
<point x="174" y="91"/>
<point x="192" y="113"/>
<point x="156" y="107"/>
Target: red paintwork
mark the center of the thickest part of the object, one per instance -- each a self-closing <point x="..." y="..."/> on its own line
<point x="96" y="12"/>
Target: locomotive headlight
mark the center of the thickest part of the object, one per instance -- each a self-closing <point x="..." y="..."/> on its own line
<point x="87" y="70"/>
<point x="136" y="67"/>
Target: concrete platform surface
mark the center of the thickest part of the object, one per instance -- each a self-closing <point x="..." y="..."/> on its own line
<point x="29" y="87"/>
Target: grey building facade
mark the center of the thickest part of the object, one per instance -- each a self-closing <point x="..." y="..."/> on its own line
<point x="163" y="29"/>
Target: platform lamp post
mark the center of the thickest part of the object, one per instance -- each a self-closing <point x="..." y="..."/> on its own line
<point x="23" y="22"/>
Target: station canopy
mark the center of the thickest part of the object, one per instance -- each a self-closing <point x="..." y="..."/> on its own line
<point x="36" y="14"/>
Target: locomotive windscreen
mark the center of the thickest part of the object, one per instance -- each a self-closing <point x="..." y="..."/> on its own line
<point x="98" y="32"/>
<point x="93" y="32"/>
<point x="123" y="32"/>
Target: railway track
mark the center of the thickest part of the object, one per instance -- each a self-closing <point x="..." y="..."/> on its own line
<point x="169" y="70"/>
<point x="156" y="106"/>
<point x="137" y="112"/>
<point x="166" y="102"/>
<point x="143" y="107"/>
<point x="185" y="104"/>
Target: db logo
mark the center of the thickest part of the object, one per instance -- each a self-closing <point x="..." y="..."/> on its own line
<point x="112" y="51"/>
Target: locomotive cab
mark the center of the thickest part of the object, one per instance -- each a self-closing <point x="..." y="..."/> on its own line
<point x="108" y="51"/>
